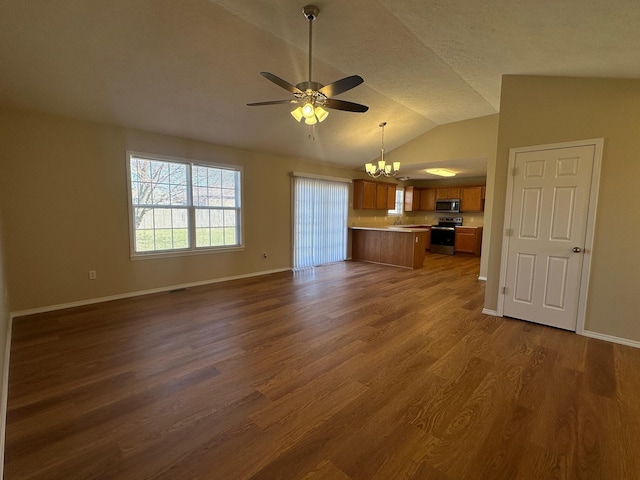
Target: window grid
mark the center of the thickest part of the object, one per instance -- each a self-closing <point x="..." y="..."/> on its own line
<point x="178" y="206"/>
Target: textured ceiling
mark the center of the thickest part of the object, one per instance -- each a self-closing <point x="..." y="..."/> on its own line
<point x="189" y="67"/>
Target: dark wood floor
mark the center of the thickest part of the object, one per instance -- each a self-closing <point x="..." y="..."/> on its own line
<point x="347" y="371"/>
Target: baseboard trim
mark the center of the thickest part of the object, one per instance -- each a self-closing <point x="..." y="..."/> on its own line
<point x="611" y="338"/>
<point x="91" y="301"/>
<point x="586" y="333"/>
<point x="482" y="278"/>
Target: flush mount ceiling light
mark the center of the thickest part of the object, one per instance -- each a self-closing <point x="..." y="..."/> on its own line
<point x="382" y="168"/>
<point x="314" y="97"/>
<point x="442" y="172"/>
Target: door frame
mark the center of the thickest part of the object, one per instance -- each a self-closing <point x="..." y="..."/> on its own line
<point x="598" y="144"/>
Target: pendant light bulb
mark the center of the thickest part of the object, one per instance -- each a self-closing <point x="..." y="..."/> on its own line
<point x="308" y="110"/>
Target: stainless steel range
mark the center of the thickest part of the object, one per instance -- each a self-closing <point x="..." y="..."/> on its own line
<point x="443" y="235"/>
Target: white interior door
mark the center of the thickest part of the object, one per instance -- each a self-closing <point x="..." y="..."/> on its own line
<point x="546" y="238"/>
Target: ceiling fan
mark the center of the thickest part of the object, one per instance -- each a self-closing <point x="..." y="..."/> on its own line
<point x="313" y="96"/>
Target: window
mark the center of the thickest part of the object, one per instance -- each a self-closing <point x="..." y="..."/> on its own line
<point x="177" y="206"/>
<point x="399" y="203"/>
<point x="320" y="221"/>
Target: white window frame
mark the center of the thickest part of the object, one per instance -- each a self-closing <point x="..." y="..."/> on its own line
<point x="191" y="208"/>
<point x="399" y="203"/>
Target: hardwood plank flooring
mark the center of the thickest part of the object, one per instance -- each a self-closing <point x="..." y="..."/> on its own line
<point x="346" y="371"/>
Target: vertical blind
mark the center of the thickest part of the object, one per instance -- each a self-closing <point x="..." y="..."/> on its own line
<point x="319" y="221"/>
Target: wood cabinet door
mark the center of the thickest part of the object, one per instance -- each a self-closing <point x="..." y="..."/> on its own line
<point x="465" y="240"/>
<point x="369" y="198"/>
<point x="408" y="198"/>
<point x="391" y="197"/>
<point x="468" y="240"/>
<point x="381" y="196"/>
<point x="471" y="199"/>
<point x="444" y="193"/>
<point x="364" y="194"/>
<point x="428" y="199"/>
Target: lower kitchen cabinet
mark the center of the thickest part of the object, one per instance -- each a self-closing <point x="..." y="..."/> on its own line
<point x="403" y="247"/>
<point x="468" y="240"/>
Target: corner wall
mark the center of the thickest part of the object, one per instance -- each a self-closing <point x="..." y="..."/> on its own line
<point x="544" y="110"/>
<point x="63" y="201"/>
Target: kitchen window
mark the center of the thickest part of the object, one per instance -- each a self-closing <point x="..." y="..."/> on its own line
<point x="399" y="204"/>
<point x="179" y="207"/>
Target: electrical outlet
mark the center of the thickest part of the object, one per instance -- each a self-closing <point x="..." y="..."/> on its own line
<point x="264" y="255"/>
<point x="92" y="275"/>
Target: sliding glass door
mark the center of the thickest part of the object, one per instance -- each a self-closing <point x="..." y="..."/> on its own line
<point x="319" y="221"/>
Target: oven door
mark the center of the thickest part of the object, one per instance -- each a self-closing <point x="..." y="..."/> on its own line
<point x="442" y="240"/>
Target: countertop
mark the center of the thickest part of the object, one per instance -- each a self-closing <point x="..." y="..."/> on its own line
<point x="393" y="228"/>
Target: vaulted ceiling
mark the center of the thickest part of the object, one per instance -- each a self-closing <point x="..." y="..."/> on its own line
<point x="189" y="67"/>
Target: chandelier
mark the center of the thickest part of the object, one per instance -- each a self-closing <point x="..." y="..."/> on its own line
<point x="382" y="168"/>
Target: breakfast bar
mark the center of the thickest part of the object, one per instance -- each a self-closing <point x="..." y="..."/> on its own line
<point x="398" y="246"/>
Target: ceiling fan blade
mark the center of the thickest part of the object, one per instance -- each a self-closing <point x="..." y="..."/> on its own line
<point x="342" y="85"/>
<point x="272" y="102"/>
<point x="347" y="106"/>
<point x="281" y="83"/>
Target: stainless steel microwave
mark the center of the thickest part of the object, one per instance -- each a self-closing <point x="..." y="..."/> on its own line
<point x="450" y="205"/>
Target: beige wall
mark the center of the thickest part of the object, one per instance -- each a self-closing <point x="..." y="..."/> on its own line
<point x="543" y="110"/>
<point x="63" y="201"/>
<point x="474" y="138"/>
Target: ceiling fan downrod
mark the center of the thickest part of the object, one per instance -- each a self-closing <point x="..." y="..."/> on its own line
<point x="310" y="13"/>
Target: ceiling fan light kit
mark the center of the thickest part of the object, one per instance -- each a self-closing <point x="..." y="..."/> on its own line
<point x="382" y="168"/>
<point x="314" y="96"/>
<point x="310" y="114"/>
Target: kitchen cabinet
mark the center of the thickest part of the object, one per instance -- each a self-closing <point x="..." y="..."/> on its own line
<point x="428" y="199"/>
<point x="370" y="195"/>
<point x="402" y="247"/>
<point x="364" y="195"/>
<point x="419" y="199"/>
<point x="468" y="240"/>
<point x="385" y="196"/>
<point x="381" y="196"/>
<point x="471" y="199"/>
<point x="443" y="193"/>
<point x="427" y="228"/>
<point x="411" y="199"/>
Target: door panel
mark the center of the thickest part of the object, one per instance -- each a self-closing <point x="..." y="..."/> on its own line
<point x="525" y="273"/>
<point x="549" y="211"/>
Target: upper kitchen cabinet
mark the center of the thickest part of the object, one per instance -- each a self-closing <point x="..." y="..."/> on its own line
<point x="419" y="199"/>
<point x="411" y="199"/>
<point x="428" y="199"/>
<point x="370" y="195"/>
<point x="447" y="192"/>
<point x="364" y="195"/>
<point x="385" y="196"/>
<point x="471" y="199"/>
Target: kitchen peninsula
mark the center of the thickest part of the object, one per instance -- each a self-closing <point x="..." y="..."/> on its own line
<point x="398" y="246"/>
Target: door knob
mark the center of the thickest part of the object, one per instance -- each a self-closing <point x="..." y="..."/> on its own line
<point x="576" y="250"/>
